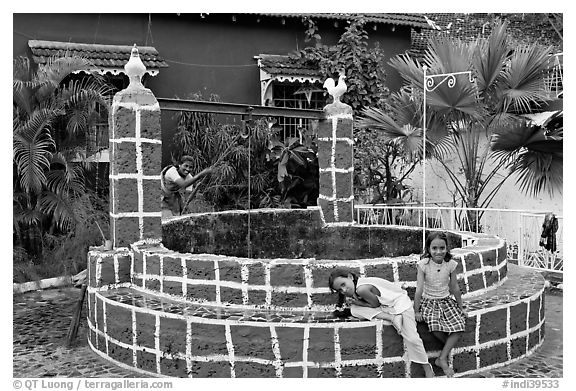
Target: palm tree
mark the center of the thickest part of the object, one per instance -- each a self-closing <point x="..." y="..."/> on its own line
<point x="462" y="119"/>
<point x="49" y="108"/>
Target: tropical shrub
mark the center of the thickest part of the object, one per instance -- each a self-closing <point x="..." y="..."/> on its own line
<point x="463" y="118"/>
<point x="50" y="108"/>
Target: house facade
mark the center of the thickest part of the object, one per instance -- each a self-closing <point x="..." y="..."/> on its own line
<point x="239" y="57"/>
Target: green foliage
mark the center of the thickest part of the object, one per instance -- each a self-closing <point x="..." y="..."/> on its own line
<point x="232" y="150"/>
<point x="297" y="168"/>
<point x="363" y="65"/>
<point x="461" y="118"/>
<point x="50" y="106"/>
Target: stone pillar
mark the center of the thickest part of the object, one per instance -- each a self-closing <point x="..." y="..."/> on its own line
<point x="336" y="162"/>
<point x="135" y="160"/>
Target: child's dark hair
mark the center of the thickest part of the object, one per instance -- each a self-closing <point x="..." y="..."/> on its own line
<point x="341" y="298"/>
<point x="436" y="235"/>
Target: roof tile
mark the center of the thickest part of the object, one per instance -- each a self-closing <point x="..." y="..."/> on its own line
<point x="102" y="56"/>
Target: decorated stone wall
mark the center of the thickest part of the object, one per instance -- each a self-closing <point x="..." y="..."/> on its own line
<point x="190" y="303"/>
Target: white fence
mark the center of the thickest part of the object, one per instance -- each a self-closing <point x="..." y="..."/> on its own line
<point x="521" y="229"/>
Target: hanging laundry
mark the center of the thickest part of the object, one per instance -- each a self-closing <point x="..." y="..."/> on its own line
<point x="549" y="229"/>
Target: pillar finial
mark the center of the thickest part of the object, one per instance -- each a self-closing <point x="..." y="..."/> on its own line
<point x="135" y="69"/>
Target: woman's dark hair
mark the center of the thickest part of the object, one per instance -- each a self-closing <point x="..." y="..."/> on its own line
<point x="436" y="235"/>
<point x="340" y="273"/>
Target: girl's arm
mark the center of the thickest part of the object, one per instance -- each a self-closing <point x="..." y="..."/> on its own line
<point x="418" y="294"/>
<point x="455" y="289"/>
<point x="366" y="297"/>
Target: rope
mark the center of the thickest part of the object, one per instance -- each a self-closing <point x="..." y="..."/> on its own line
<point x="249" y="175"/>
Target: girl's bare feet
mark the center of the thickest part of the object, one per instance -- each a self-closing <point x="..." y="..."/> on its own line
<point x="428" y="371"/>
<point x="442" y="363"/>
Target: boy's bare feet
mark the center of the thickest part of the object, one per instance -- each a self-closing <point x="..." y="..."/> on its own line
<point x="442" y="363"/>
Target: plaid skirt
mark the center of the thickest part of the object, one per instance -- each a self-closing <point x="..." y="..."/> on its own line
<point x="443" y="315"/>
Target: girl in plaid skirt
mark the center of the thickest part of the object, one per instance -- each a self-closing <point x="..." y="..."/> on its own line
<point x="433" y="303"/>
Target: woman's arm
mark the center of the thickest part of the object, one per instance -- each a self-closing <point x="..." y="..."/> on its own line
<point x="418" y="294"/>
<point x="366" y="297"/>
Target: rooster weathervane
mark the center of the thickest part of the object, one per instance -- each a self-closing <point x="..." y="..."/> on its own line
<point x="336" y="90"/>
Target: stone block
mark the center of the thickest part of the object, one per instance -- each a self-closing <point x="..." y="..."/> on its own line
<point x="210" y="369"/>
<point x="475" y="282"/>
<point x="489" y="257"/>
<point x="173" y="367"/>
<point x="230" y="271"/>
<point x="344" y="155"/>
<point x="125" y="194"/>
<point x="256" y="297"/>
<point x="120" y="354"/>
<point x="151" y="159"/>
<point x="407" y="271"/>
<point x="172" y="335"/>
<point x="471" y="261"/>
<point x="285" y="299"/>
<point x="152" y="283"/>
<point x="172" y="266"/>
<point x="343" y="185"/>
<point x="208" y="339"/>
<point x="493" y="325"/>
<point x="321" y="345"/>
<point x="534" y="316"/>
<point x="138" y="262"/>
<point x="360" y="371"/>
<point x="518" y="317"/>
<point x="358" y="343"/>
<point x="345" y="211"/>
<point x="201" y="292"/>
<point x="533" y="339"/>
<point x="292" y="372"/>
<point x="326" y="184"/>
<point x="146" y="361"/>
<point x="151" y="196"/>
<point x="256" y="274"/>
<point x="321" y="372"/>
<point x="231" y="295"/>
<point x="173" y="288"/>
<point x="493" y="355"/>
<point x="324" y="299"/>
<point x="124" y="122"/>
<point x="461" y="362"/>
<point x="119" y="325"/>
<point x="145" y="329"/>
<point x="517" y="347"/>
<point x="383" y="270"/>
<point x="252" y="341"/>
<point x="152" y="262"/>
<point x="394" y="369"/>
<point x="254" y="370"/>
<point x="287" y="275"/>
<point x="123" y="158"/>
<point x="290" y="342"/>
<point x="150" y="124"/>
<point x="200" y="270"/>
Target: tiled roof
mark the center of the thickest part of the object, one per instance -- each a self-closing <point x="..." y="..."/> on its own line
<point x="284" y="66"/>
<point x="413" y="20"/>
<point x="106" y="58"/>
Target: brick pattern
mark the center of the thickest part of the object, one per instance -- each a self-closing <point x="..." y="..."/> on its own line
<point x="135" y="161"/>
<point x="167" y="343"/>
<point x="294" y="284"/>
<point x="336" y="164"/>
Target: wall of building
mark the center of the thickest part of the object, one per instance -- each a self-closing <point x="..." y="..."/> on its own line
<point x="210" y="54"/>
